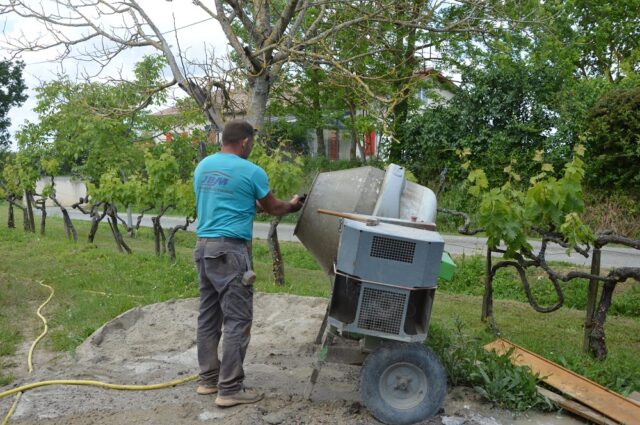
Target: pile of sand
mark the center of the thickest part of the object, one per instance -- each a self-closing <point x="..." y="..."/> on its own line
<point x="156" y="343"/>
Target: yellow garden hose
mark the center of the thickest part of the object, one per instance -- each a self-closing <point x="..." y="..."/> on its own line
<point x="13" y="409"/>
<point x="98" y="384"/>
<point x="23" y="388"/>
<point x="33" y="346"/>
<point x="46" y="326"/>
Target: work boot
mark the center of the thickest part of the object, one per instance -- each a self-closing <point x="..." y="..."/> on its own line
<point x="204" y="390"/>
<point x="244" y="396"/>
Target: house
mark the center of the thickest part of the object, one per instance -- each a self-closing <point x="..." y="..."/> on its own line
<point x="234" y="106"/>
<point x="69" y="189"/>
<point x="435" y="89"/>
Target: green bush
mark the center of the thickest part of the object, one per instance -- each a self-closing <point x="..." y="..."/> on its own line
<point x="613" y="156"/>
<point x="613" y="210"/>
<point x="494" y="377"/>
<point x="620" y="376"/>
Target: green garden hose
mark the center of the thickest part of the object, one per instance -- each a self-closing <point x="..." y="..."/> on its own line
<point x="23" y="388"/>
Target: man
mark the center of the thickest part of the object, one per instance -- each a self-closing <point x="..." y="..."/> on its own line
<point x="227" y="187"/>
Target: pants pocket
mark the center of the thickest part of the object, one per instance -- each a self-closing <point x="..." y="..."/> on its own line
<point x="237" y="302"/>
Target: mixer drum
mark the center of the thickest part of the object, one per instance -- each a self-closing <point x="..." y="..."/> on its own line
<point x="351" y="191"/>
<point x="356" y="190"/>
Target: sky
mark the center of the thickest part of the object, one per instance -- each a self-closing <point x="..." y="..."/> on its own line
<point x="195" y="30"/>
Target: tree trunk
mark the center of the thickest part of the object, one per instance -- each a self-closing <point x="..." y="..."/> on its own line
<point x="26" y="223"/>
<point x="43" y="218"/>
<point x="69" y="228"/>
<point x="95" y="221"/>
<point x="404" y="57"/>
<point x="11" y="221"/>
<point x="276" y="255"/>
<point x="32" y="224"/>
<point x="400" y="113"/>
<point x="113" y="223"/>
<point x="156" y="235"/>
<point x="321" y="149"/>
<point x="130" y="220"/>
<point x="202" y="153"/>
<point x="597" y="342"/>
<point x="171" y="243"/>
<point x="128" y="225"/>
<point x="487" y="298"/>
<point x="592" y="299"/>
<point x="139" y="221"/>
<point x="442" y="178"/>
<point x="354" y="133"/>
<point x="259" y="89"/>
<point x="124" y="222"/>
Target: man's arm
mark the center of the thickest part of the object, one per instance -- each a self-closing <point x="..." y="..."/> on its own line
<point x="275" y="206"/>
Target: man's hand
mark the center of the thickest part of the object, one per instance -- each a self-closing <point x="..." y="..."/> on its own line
<point x="275" y="206"/>
<point x="296" y="203"/>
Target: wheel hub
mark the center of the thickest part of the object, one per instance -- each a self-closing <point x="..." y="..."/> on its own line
<point x="403" y="385"/>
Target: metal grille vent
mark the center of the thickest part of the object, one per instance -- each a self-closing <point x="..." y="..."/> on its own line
<point x="393" y="249"/>
<point x="381" y="310"/>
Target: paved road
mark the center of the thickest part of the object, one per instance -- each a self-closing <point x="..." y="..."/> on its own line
<point x="455" y="244"/>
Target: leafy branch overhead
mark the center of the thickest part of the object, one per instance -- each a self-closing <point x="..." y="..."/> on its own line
<point x="265" y="36"/>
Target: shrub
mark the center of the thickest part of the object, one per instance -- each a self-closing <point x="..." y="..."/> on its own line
<point x="494" y="377"/>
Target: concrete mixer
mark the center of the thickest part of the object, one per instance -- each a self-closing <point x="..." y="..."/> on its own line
<point x="373" y="232"/>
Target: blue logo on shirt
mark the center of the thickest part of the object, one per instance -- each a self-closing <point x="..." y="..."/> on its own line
<point x="215" y="178"/>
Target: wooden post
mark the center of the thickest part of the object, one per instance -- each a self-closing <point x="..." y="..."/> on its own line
<point x="592" y="297"/>
<point x="487" y="298"/>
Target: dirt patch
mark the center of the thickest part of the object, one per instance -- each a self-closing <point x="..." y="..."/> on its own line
<point x="156" y="343"/>
<point x="30" y="327"/>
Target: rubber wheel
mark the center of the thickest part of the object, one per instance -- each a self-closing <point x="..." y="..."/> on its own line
<point x="402" y="383"/>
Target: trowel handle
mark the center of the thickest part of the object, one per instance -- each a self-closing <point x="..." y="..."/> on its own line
<point x="356" y="217"/>
<point x="373" y="221"/>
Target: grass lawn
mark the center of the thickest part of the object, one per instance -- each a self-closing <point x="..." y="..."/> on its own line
<point x="94" y="283"/>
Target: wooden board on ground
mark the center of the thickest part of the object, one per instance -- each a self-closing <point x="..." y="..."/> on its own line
<point x="597" y="397"/>
<point x="577" y="408"/>
<point x="635" y="396"/>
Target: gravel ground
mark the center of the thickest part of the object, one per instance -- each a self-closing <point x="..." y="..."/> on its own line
<point x="156" y="344"/>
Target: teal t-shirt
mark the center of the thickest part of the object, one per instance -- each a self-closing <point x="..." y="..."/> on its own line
<point x="227" y="188"/>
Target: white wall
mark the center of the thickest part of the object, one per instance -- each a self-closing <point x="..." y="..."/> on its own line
<point x="68" y="189"/>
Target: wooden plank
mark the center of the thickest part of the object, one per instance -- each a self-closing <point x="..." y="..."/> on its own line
<point x="575" y="407"/>
<point x="635" y="396"/>
<point x="589" y="393"/>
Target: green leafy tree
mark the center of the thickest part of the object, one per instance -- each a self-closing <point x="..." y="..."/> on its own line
<point x="501" y="112"/>
<point x="100" y="132"/>
<point x="264" y="36"/>
<point x="614" y="140"/>
<point x="95" y="127"/>
<point x="549" y="206"/>
<point x="13" y="189"/>
<point x="526" y="86"/>
<point x="12" y="94"/>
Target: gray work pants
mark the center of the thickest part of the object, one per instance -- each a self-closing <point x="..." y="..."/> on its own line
<point x="224" y="300"/>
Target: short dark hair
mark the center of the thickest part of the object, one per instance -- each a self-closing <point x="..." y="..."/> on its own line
<point x="236" y="131"/>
